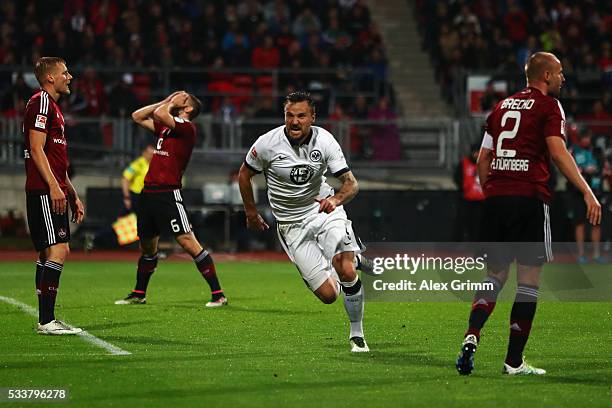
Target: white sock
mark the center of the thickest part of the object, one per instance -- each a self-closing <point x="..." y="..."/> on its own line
<point x="353" y="304"/>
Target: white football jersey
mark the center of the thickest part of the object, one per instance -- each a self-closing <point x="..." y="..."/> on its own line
<point x="295" y="173"/>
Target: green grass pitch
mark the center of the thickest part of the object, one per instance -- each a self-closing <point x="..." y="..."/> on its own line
<point x="277" y="345"/>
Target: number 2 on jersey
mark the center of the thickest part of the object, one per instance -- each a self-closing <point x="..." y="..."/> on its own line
<point x="508" y="134"/>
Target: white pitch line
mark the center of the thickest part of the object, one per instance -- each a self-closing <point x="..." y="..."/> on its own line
<point x="88" y="337"/>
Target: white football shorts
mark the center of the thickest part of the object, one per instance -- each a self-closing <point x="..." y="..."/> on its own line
<point x="312" y="243"/>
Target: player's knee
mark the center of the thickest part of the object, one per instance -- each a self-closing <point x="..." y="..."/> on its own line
<point x="58" y="253"/>
<point x="329" y="297"/>
<point x="148" y="247"/>
<point x="189" y="243"/>
<point x="329" y="300"/>
<point x="345" y="267"/>
<point x="327" y="293"/>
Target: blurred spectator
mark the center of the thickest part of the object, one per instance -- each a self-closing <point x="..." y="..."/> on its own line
<point x="90" y="86"/>
<point x="515" y="22"/>
<point x="489" y="99"/>
<point x="592" y="169"/>
<point x="114" y="33"/>
<point x="472" y="198"/>
<point x="466" y="21"/>
<point x="13" y="99"/>
<point x="122" y="99"/>
<point x="12" y="224"/>
<point x="463" y="36"/>
<point x="265" y="112"/>
<point x="598" y="120"/>
<point x="339" y="119"/>
<point x="306" y="23"/>
<point x="384" y="136"/>
<point x="266" y="55"/>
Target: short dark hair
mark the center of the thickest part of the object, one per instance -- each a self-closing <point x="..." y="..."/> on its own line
<point x="44" y="65"/>
<point x="196" y="104"/>
<point x="300" y="96"/>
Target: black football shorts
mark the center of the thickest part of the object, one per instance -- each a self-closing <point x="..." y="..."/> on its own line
<point x="160" y="212"/>
<point x="517" y="228"/>
<point x="46" y="227"/>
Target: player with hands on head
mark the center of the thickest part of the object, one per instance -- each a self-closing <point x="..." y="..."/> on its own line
<point x="161" y="207"/>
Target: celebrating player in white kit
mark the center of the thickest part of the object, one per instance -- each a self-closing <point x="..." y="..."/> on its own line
<point x="312" y="224"/>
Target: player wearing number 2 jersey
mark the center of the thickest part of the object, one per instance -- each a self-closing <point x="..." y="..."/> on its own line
<point x="523" y="133"/>
<point x="161" y="207"/>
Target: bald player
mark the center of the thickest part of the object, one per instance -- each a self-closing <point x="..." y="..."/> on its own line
<point x="523" y="133"/>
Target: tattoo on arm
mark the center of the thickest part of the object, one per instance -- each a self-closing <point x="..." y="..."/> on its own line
<point x="349" y="188"/>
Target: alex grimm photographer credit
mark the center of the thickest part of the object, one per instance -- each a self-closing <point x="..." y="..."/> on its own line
<point x="263" y="203"/>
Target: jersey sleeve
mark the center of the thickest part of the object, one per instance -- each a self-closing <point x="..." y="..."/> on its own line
<point x="158" y="127"/>
<point x="554" y="123"/>
<point x="38" y="114"/>
<point x="256" y="159"/>
<point x="336" y="163"/>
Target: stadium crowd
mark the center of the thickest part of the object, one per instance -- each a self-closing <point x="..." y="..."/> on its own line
<point x="497" y="37"/>
<point x="337" y="35"/>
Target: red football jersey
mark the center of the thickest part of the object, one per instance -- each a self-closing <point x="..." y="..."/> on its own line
<point x="43" y="114"/>
<point x="518" y="127"/>
<point x="171" y="156"/>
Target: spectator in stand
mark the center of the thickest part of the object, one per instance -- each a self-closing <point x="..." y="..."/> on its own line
<point x="467" y="22"/>
<point x="605" y="64"/>
<point x="515" y="22"/>
<point x="239" y="55"/>
<point x="92" y="89"/>
<point x="598" y="120"/>
<point x="276" y="14"/>
<point x="266" y="55"/>
<point x="305" y="23"/>
<point x="551" y="39"/>
<point x="449" y="41"/>
<point x="17" y="93"/>
<point x="114" y="33"/>
<point x="384" y="136"/>
<point x="122" y="99"/>
<point x="250" y="13"/>
<point x="489" y="99"/>
<point x="471" y="205"/>
<point x="264" y="115"/>
<point x="338" y="119"/>
<point x="592" y="169"/>
<point x="335" y="36"/>
<point x="12" y="224"/>
<point x="103" y="14"/>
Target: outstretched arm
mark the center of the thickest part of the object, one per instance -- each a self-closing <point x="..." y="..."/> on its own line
<point x="347" y="192"/>
<point x="254" y="220"/>
<point x="566" y="164"/>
